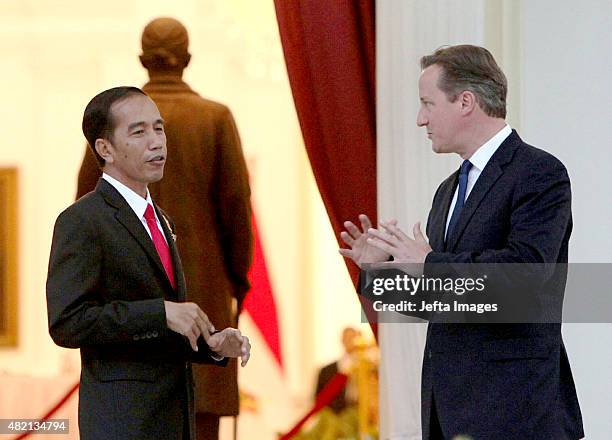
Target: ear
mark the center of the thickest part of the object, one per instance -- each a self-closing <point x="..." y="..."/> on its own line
<point x="141" y="58"/>
<point x="187" y="59"/>
<point x="103" y="148"/>
<point x="468" y="102"/>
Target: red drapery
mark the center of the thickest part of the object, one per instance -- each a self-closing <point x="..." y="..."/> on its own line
<point x="329" y="52"/>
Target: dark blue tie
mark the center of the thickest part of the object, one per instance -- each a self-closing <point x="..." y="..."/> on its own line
<point x="463" y="180"/>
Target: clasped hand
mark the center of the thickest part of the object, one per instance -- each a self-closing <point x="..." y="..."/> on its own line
<point x="190" y="321"/>
<point x="230" y="342"/>
<point x="376" y="245"/>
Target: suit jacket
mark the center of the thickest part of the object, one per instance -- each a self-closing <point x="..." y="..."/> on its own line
<point x="205" y="187"/>
<point x="106" y="288"/>
<point x="503" y="381"/>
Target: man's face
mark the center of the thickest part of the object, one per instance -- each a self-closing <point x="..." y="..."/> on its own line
<point x="138" y="148"/>
<point x="349" y="339"/>
<point x="437" y="114"/>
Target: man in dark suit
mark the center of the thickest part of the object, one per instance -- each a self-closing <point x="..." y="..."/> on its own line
<point x="508" y="203"/>
<point x="214" y="207"/>
<point x="344" y="365"/>
<point x="115" y="287"/>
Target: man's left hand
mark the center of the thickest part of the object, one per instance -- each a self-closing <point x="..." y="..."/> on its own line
<point x="229" y="342"/>
<point x="393" y="240"/>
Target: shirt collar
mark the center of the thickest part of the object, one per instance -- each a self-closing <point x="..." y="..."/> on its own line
<point x="137" y="203"/>
<point x="482" y="156"/>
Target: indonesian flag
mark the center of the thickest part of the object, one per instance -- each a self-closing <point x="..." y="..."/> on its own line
<point x="265" y="404"/>
<point x="259" y="302"/>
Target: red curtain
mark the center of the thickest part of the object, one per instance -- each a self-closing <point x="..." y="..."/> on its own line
<point x="329" y="52"/>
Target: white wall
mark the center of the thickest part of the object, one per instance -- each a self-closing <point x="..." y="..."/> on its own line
<point x="567" y="100"/>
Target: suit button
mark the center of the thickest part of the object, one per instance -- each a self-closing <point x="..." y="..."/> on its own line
<point x="136" y="337"/>
<point x="429" y="354"/>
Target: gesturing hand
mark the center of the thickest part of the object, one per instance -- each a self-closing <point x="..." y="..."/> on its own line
<point x="188" y="320"/>
<point x="229" y="342"/>
<point x="360" y="250"/>
<point x="394" y="241"/>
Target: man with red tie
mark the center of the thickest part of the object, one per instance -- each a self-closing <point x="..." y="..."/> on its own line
<point x="116" y="290"/>
<point x="213" y="206"/>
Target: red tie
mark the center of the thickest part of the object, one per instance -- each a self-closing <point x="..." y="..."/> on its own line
<point x="160" y="244"/>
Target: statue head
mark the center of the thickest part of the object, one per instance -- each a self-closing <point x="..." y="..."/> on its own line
<point x="165" y="45"/>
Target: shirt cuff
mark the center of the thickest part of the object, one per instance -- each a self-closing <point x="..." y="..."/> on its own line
<point x="216" y="357"/>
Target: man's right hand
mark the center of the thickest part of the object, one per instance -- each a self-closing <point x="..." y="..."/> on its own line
<point x="188" y="320"/>
<point x="360" y="251"/>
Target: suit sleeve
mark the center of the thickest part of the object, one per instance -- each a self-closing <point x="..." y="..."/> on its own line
<point x="89" y="173"/>
<point x="233" y="204"/>
<point x="77" y="316"/>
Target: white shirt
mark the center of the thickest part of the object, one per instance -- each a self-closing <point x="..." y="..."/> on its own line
<point x="136" y="202"/>
<point x="479" y="160"/>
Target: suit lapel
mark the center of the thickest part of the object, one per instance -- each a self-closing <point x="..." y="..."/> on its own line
<point x="485" y="182"/>
<point x="491" y="173"/>
<point x="442" y="205"/>
<point x="125" y="215"/>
